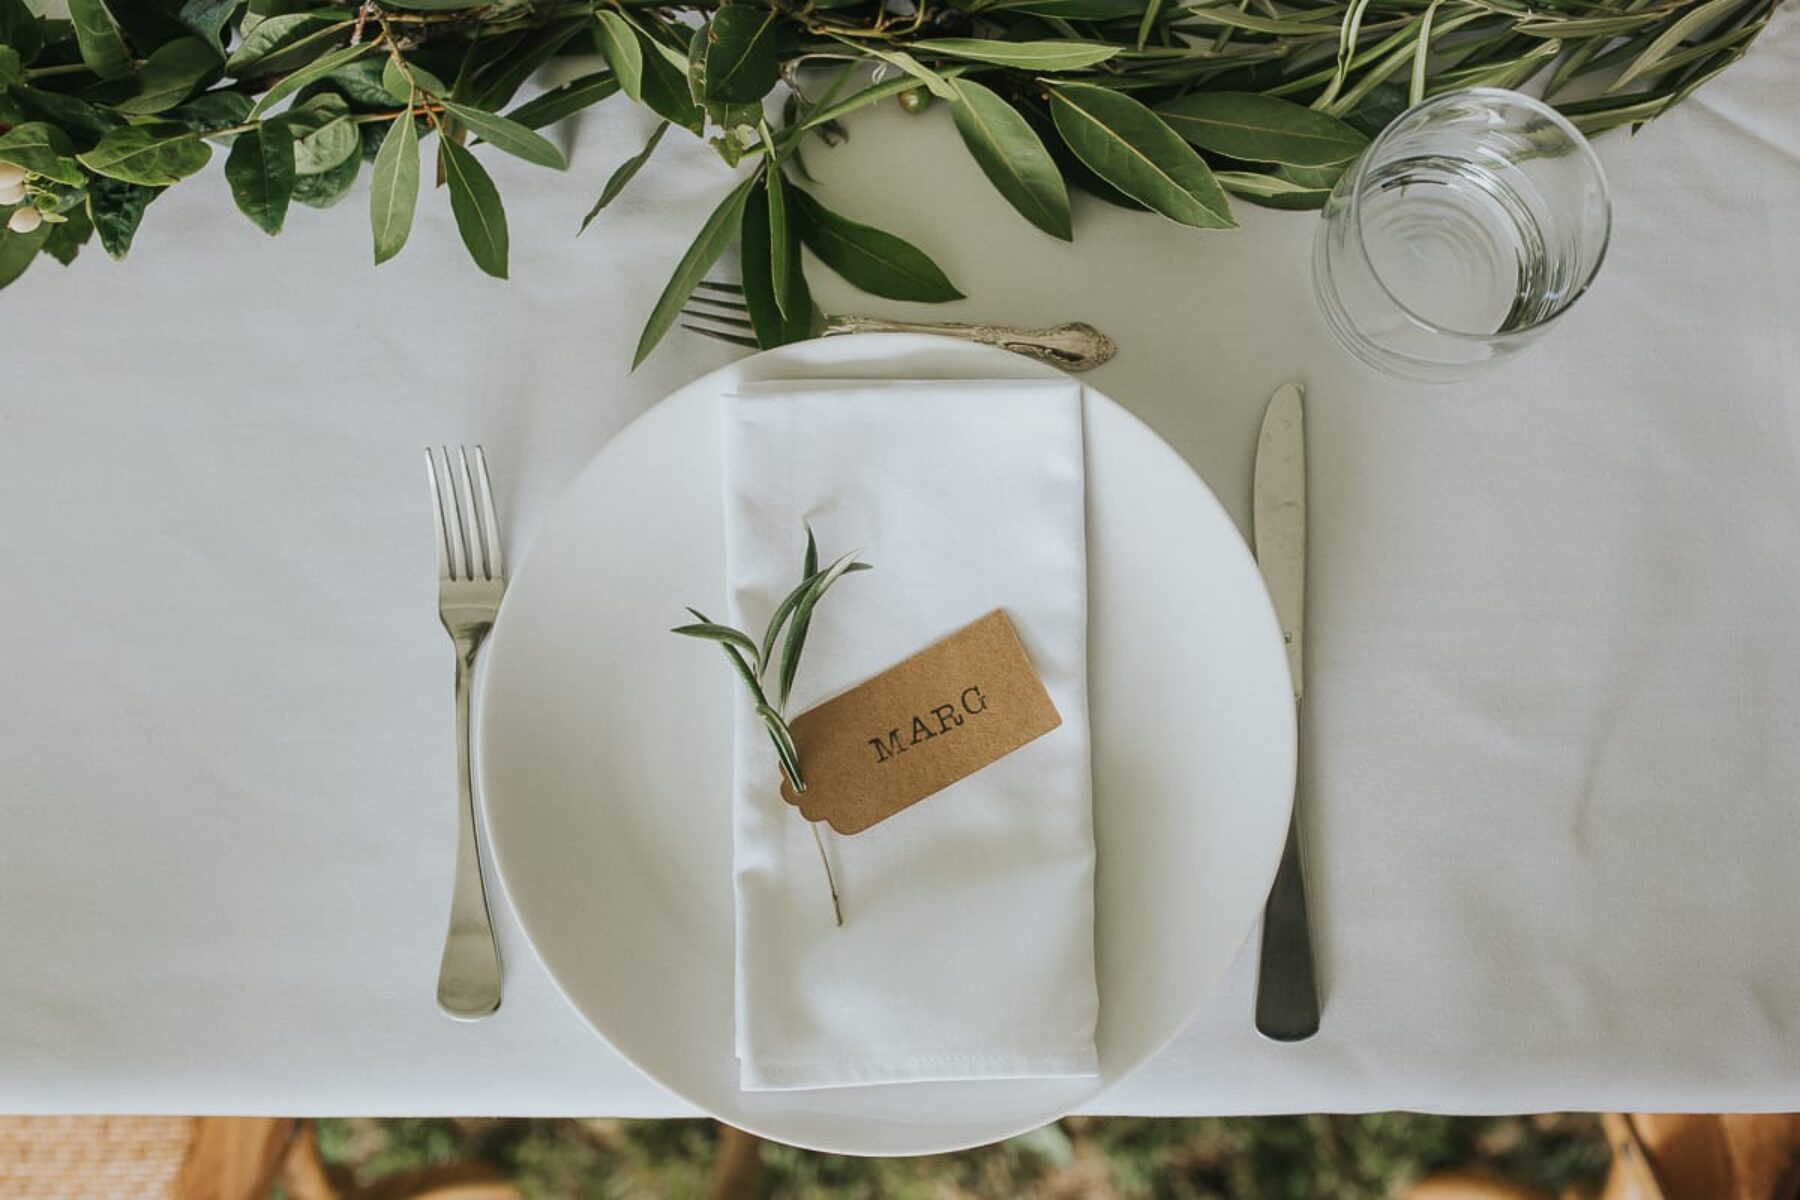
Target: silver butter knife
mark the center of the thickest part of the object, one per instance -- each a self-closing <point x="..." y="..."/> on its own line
<point x="1287" y="990"/>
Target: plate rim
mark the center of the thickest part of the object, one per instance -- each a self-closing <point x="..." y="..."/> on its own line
<point x="895" y="344"/>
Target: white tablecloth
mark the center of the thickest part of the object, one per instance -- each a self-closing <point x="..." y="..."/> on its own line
<point x="1553" y="689"/>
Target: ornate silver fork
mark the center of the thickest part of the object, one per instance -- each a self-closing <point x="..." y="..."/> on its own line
<point x="717" y="310"/>
<point x="471" y="580"/>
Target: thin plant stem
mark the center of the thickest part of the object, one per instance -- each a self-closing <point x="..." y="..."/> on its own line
<point x="837" y="909"/>
<point x="428" y="111"/>
<point x="794" y="614"/>
<point x="75" y="68"/>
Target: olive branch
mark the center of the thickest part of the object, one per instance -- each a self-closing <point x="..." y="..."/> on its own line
<point x="1176" y="107"/>
<point x="752" y="659"/>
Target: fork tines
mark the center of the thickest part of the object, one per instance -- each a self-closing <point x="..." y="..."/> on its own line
<point x="720" y="313"/>
<point x="468" y="542"/>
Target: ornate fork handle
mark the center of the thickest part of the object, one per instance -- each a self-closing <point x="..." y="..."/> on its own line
<point x="1073" y="346"/>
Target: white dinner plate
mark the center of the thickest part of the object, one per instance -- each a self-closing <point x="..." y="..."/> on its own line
<point x="605" y="751"/>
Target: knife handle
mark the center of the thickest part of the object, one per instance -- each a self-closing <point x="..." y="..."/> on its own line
<point x="1287" y="989"/>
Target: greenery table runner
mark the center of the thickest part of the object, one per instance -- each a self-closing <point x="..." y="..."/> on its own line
<point x="1159" y="105"/>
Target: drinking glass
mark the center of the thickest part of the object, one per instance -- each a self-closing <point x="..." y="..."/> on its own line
<point x="1465" y="229"/>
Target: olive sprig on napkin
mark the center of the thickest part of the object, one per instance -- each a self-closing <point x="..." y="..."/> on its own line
<point x="752" y="661"/>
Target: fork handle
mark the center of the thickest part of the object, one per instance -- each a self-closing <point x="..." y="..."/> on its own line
<point x="1073" y="345"/>
<point x="469" y="975"/>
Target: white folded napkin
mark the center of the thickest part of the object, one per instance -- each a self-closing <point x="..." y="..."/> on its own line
<point x="967" y="949"/>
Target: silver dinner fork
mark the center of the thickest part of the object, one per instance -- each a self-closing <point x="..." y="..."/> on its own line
<point x="471" y="580"/>
<point x="719" y="311"/>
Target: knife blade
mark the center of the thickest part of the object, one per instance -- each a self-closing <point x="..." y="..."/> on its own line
<point x="1287" y="993"/>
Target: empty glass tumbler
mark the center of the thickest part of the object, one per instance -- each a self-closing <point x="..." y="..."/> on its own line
<point x="1470" y="224"/>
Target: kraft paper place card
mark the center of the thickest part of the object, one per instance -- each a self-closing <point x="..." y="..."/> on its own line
<point x="918" y="727"/>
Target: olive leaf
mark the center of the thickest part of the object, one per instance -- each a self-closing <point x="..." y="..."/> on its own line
<point x="711" y="241"/>
<point x="1421" y="68"/>
<point x="41" y="149"/>
<point x="740" y="62"/>
<point x="21" y="29"/>
<point x="171" y="74"/>
<point x="325" y="188"/>
<point x="1026" y="56"/>
<point x="560" y="102"/>
<point x="509" y="136"/>
<point x="772" y="324"/>
<point x="394" y="189"/>
<point x="206" y="19"/>
<point x="872" y="259"/>
<point x="479" y="61"/>
<point x="213" y="110"/>
<point x="730" y="641"/>
<point x="752" y="661"/>
<point x="693" y="68"/>
<point x="783" y="737"/>
<point x="674" y="55"/>
<point x="1349" y="30"/>
<point x="781" y="246"/>
<point x="1075" y="172"/>
<point x="1012" y="156"/>
<point x="1258" y="128"/>
<point x="137" y="154"/>
<point x="616" y="182"/>
<point x="1666" y="42"/>
<point x="17" y="250"/>
<point x="401" y="79"/>
<point x="934" y="82"/>
<point x="618" y="44"/>
<point x="1289" y="188"/>
<point x="360" y="82"/>
<point x="779" y="733"/>
<point x="1131" y="148"/>
<point x="826" y="113"/>
<point x="117" y="209"/>
<point x="714" y="632"/>
<point x="1147" y="22"/>
<point x="260" y="172"/>
<point x="666" y="93"/>
<point x="284" y="42"/>
<point x="475" y="203"/>
<point x="98" y="38"/>
<point x="623" y="175"/>
<point x="1377" y="109"/>
<point x="801" y="621"/>
<point x="67" y="239"/>
<point x="83" y="122"/>
<point x="324" y="133"/>
<point x="809" y="573"/>
<point x="311" y="73"/>
<point x="501" y="80"/>
<point x="1251" y="183"/>
<point x="745" y="671"/>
